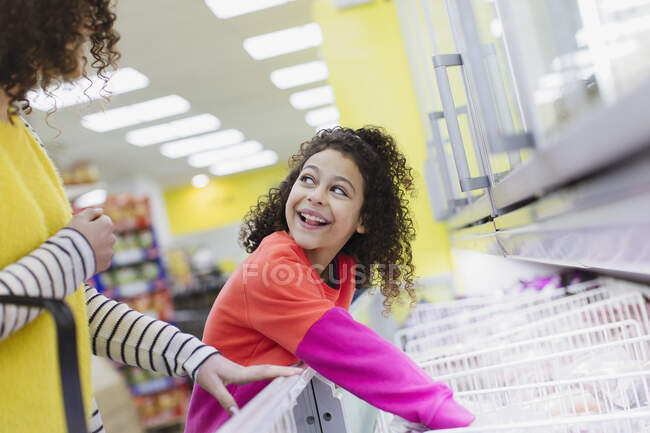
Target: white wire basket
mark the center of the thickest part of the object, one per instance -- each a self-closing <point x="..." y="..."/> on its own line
<point x="466" y="317"/>
<point x="532" y="348"/>
<point x="624" y="422"/>
<point x="427" y="312"/>
<point x="575" y="406"/>
<point x="623" y="356"/>
<point x="625" y="305"/>
<point x="600" y="395"/>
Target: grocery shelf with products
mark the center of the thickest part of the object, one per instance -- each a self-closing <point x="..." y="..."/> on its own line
<point x="194" y="285"/>
<point x="138" y="277"/>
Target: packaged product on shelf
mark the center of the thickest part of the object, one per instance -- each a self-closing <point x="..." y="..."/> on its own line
<point x="144" y="238"/>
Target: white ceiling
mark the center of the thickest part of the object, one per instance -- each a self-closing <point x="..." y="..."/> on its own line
<point x="184" y="49"/>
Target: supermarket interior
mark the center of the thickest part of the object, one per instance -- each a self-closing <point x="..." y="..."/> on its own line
<point x="500" y="151"/>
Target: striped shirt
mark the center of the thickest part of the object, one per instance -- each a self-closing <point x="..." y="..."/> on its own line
<point x="55" y="270"/>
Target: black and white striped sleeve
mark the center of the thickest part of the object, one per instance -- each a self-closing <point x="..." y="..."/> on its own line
<point x="128" y="336"/>
<point x="54" y="270"/>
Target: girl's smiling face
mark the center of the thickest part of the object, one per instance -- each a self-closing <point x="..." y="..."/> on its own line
<point x="324" y="206"/>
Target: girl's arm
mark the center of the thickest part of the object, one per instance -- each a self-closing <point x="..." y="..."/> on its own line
<point x="297" y="316"/>
<point x="355" y="357"/>
<point x="54" y="270"/>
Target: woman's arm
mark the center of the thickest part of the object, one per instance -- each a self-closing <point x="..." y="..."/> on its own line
<point x="54" y="270"/>
<point x="128" y="336"/>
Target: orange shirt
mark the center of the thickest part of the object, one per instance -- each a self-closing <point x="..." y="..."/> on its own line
<point x="276" y="289"/>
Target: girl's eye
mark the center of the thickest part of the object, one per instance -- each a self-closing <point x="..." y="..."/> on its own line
<point x="307" y="179"/>
<point x="339" y="190"/>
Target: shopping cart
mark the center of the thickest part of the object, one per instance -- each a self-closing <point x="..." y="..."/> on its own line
<point x="67" y="349"/>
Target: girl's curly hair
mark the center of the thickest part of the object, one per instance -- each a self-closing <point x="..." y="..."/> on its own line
<point x="40" y="38"/>
<point x="384" y="252"/>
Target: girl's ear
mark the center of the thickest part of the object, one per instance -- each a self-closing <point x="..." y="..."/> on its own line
<point x="360" y="228"/>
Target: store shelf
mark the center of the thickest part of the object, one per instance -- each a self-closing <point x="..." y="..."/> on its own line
<point x="135" y="288"/>
<point x="132" y="256"/>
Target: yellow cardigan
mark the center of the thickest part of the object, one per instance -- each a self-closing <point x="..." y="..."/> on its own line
<point x="33" y="208"/>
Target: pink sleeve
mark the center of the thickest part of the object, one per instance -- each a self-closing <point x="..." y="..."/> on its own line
<point x="356" y="358"/>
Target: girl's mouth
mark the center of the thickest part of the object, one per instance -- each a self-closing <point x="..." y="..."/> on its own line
<point x="311" y="220"/>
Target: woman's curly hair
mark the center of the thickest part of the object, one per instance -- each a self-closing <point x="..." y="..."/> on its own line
<point x="384" y="252"/>
<point x="40" y="38"/>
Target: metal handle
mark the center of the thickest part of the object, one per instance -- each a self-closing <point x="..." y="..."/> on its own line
<point x="75" y="414"/>
<point x="440" y="64"/>
<point x="473" y="50"/>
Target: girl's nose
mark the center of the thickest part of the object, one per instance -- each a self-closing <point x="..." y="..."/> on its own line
<point x="316" y="196"/>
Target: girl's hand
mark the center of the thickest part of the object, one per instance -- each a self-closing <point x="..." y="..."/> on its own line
<point x="217" y="372"/>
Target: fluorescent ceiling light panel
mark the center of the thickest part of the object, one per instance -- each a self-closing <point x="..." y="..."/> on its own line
<point x="188" y="146"/>
<point x="84" y="90"/>
<point x="312" y="98"/>
<point x="322" y="116"/>
<point x="212" y="157"/>
<point x="200" y="181"/>
<point x="262" y="159"/>
<point x="173" y="130"/>
<point x="284" y="41"/>
<point x="137" y="113"/>
<point x="300" y="74"/>
<point x="231" y="8"/>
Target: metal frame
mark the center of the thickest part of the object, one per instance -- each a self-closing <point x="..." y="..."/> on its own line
<point x="467" y="183"/>
<point x="307" y="403"/>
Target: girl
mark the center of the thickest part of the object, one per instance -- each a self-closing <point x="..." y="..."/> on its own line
<point x="45" y="252"/>
<point x="342" y="206"/>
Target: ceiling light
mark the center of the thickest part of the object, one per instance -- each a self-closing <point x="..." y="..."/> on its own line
<point x="312" y="98"/>
<point x="300" y="74"/>
<point x="86" y="89"/>
<point x="173" y="130"/>
<point x="262" y="159"/>
<point x="284" y="41"/>
<point x="200" y="181"/>
<point x="211" y="157"/>
<point x="188" y="146"/>
<point x="136" y="113"/>
<point x="229" y="8"/>
<point x="91" y="198"/>
<point x="322" y="116"/>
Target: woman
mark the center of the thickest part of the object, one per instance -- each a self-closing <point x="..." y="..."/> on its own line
<point x="45" y="252"/>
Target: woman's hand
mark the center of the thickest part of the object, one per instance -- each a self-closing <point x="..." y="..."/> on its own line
<point x="97" y="228"/>
<point x="217" y="372"/>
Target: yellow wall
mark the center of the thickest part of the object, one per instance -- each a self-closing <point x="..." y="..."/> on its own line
<point x="224" y="201"/>
<point x="370" y="76"/>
